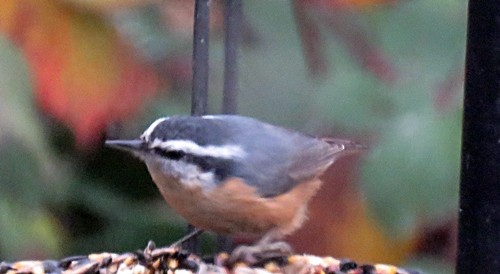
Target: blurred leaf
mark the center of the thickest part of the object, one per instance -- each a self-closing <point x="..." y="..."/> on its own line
<point x="178" y="16"/>
<point x="27" y="233"/>
<point x="336" y="4"/>
<point x="449" y="90"/>
<point x="26" y="188"/>
<point x="430" y="265"/>
<point x="22" y="138"/>
<point x="345" y="25"/>
<point x="125" y="223"/>
<point x="106" y="5"/>
<point x="312" y="42"/>
<point x="30" y="174"/>
<point x="412" y="174"/>
<point x="83" y="74"/>
<point x="340" y="223"/>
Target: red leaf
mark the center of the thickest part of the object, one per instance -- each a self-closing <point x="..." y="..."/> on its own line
<point x="83" y="74"/>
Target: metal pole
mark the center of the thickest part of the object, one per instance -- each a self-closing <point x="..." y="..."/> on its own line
<point x="232" y="39"/>
<point x="479" y="214"/>
<point x="199" y="96"/>
<point x="232" y="27"/>
<point x="201" y="33"/>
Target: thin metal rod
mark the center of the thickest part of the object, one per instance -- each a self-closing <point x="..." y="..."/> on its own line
<point x="232" y="25"/>
<point x="479" y="214"/>
<point x="201" y="33"/>
<point x="232" y="39"/>
<point x="199" y="96"/>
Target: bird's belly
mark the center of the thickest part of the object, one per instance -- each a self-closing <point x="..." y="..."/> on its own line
<point x="235" y="207"/>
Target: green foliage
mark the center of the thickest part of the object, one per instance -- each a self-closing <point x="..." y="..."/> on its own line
<point x="27" y="167"/>
<point x="411" y="176"/>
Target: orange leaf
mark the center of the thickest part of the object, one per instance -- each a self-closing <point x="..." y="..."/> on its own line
<point x="107" y="5"/>
<point x="340" y="224"/>
<point x="178" y="16"/>
<point x="83" y="74"/>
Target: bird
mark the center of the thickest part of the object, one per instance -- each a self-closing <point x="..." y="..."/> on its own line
<point x="232" y="174"/>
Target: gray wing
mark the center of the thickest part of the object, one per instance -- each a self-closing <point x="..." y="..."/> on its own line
<point x="317" y="156"/>
<point x="279" y="159"/>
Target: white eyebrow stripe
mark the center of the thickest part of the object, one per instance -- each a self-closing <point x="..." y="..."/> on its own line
<point x="152" y="127"/>
<point x="225" y="151"/>
<point x="210" y="117"/>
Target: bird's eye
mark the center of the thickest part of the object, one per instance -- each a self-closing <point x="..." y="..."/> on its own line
<point x="170" y="154"/>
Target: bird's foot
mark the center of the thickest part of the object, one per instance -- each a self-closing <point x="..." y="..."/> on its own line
<point x="255" y="254"/>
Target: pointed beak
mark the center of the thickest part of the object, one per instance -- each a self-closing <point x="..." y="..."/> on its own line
<point x="127" y="145"/>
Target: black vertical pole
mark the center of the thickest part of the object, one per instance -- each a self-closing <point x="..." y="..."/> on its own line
<point x="199" y="96"/>
<point x="232" y="39"/>
<point x="232" y="27"/>
<point x="479" y="214"/>
<point x="201" y="33"/>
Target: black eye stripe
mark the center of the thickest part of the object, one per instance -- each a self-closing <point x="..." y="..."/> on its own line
<point x="221" y="167"/>
<point x="170" y="154"/>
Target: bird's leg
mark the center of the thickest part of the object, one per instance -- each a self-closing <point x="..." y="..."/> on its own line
<point x="266" y="248"/>
<point x="190" y="235"/>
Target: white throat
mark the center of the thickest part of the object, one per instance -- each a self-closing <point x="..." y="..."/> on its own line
<point x="188" y="174"/>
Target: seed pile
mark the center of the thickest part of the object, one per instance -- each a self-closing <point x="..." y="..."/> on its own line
<point x="170" y="260"/>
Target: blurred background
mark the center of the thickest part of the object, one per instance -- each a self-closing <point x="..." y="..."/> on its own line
<point x="386" y="73"/>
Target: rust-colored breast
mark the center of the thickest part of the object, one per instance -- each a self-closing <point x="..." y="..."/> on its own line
<point x="235" y="207"/>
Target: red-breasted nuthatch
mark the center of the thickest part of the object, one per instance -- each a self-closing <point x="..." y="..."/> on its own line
<point x="233" y="174"/>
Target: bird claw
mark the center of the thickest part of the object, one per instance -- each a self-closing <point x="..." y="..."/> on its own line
<point x="257" y="253"/>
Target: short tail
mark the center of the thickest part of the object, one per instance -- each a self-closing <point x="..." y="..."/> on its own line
<point x="347" y="146"/>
